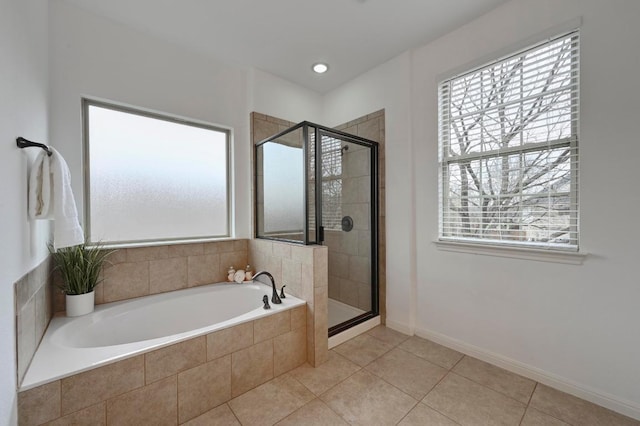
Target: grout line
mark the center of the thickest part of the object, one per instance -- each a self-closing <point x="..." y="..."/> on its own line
<point x="232" y="412"/>
<point x="329" y="407"/>
<point x="457" y="362"/>
<point x="436" y="385"/>
<point x="438" y="411"/>
<point x="531" y="396"/>
<point x="177" y="401"/>
<point x="488" y="388"/>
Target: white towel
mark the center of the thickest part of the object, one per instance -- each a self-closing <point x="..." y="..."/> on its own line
<point x="50" y="197"/>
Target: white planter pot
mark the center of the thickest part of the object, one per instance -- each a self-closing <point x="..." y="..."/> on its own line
<point x="80" y="304"/>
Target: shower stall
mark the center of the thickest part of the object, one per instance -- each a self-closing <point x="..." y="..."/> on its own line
<point x="316" y="185"/>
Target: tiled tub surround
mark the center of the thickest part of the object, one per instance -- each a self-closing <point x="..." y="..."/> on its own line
<point x="303" y="269"/>
<point x="136" y="272"/>
<point x="123" y="329"/>
<point x="176" y="383"/>
<point x="33" y="307"/>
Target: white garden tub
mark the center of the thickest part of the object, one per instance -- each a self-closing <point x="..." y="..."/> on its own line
<point x="121" y="329"/>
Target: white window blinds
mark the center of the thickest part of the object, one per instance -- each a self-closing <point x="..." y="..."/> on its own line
<point x="331" y="182"/>
<point x="508" y="136"/>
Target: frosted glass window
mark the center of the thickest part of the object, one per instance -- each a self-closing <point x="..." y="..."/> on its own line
<point x="283" y="189"/>
<point x="153" y="178"/>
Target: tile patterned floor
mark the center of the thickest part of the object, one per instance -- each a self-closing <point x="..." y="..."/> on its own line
<point x="387" y="378"/>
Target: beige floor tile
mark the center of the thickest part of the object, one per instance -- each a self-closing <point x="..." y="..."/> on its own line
<point x="388" y="335"/>
<point x="364" y="399"/>
<point x="534" y="417"/>
<point x="422" y="415"/>
<point x="270" y="402"/>
<point x="469" y="403"/>
<point x="363" y="349"/>
<point x="219" y="416"/>
<point x="315" y="413"/>
<point x="320" y="379"/>
<point x="574" y="410"/>
<point x="411" y="374"/>
<point x="496" y="378"/>
<point x="432" y="351"/>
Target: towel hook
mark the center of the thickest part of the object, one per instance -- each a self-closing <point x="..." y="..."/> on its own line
<point x="25" y="143"/>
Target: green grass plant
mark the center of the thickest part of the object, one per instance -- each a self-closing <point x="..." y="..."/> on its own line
<point x="80" y="267"/>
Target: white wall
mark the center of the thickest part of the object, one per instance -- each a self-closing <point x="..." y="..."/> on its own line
<point x="387" y="86"/>
<point x="91" y="56"/>
<point x="575" y="325"/>
<point x="23" y="112"/>
<point x="280" y="98"/>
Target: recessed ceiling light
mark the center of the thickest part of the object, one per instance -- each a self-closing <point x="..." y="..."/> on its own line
<point x="320" y="68"/>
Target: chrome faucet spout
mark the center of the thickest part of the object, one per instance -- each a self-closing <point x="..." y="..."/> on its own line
<point x="275" y="299"/>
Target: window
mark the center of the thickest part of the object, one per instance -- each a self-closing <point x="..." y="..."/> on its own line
<point x="508" y="137"/>
<point x="332" y="154"/>
<point x="153" y="178"/>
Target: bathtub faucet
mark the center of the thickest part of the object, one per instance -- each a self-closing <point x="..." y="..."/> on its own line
<point x="275" y="299"/>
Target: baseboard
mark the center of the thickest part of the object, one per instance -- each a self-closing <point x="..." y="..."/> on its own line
<point x="628" y="408"/>
<point x="353" y="332"/>
<point x="399" y="326"/>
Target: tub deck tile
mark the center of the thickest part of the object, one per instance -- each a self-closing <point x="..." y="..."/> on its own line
<point x="251" y="367"/>
<point x="204" y="387"/>
<point x="96" y="415"/>
<point x="173" y="359"/>
<point x="271" y="326"/>
<point x="224" y="342"/>
<point x="155" y="404"/>
<point x="39" y="405"/>
<point x="88" y="388"/>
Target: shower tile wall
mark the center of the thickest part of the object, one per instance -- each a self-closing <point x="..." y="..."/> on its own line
<point x="33" y="307"/>
<point x="347" y="262"/>
<point x="349" y="267"/>
<point x="349" y="252"/>
<point x="303" y="269"/>
<point x="136" y="272"/>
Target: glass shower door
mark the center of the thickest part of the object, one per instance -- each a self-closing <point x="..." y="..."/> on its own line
<point x="349" y="227"/>
<point x="315" y="185"/>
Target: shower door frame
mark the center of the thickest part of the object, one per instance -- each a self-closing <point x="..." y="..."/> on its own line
<point x="373" y="147"/>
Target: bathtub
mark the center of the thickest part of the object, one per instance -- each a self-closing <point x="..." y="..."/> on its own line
<point x="118" y="330"/>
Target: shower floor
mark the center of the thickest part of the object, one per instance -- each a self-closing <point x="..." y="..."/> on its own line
<point x="340" y="312"/>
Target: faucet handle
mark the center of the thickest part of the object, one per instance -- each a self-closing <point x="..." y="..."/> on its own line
<point x="282" y="296"/>
<point x="265" y="300"/>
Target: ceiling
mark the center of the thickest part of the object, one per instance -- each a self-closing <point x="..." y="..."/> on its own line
<point x="285" y="37"/>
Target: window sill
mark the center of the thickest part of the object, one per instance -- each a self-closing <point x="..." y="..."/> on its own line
<point x="141" y="244"/>
<point x="540" y="255"/>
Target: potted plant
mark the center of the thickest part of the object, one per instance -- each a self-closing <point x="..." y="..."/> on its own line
<point x="80" y="268"/>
